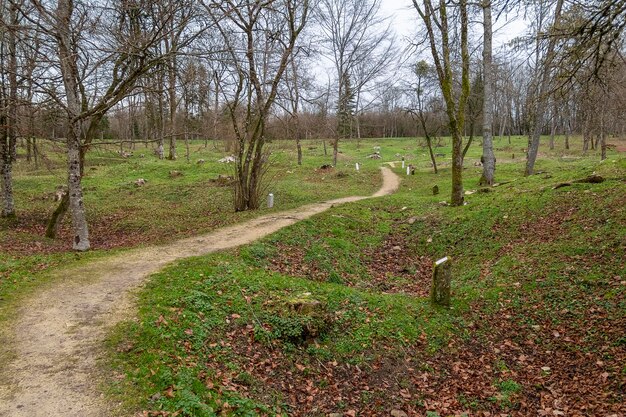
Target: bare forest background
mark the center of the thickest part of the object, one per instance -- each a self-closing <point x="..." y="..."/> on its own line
<point x="236" y="75"/>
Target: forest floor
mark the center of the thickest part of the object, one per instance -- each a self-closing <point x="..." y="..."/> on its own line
<point x="59" y="334"/>
<point x="329" y="316"/>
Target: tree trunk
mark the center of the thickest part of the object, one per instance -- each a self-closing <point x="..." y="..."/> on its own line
<point x="52" y="229"/>
<point x="75" y="191"/>
<point x="567" y="133"/>
<point x="29" y="150"/>
<point x="586" y="135"/>
<point x="69" y="72"/>
<point x="35" y="153"/>
<point x="160" y="119"/>
<point x="216" y="107"/>
<point x="358" y="131"/>
<point x="249" y="172"/>
<point x="502" y="128"/>
<point x="469" y="141"/>
<point x="429" y="142"/>
<point x="6" y="166"/>
<point x="299" y="148"/>
<point x="335" y="151"/>
<point x="602" y="136"/>
<point x="9" y="139"/>
<point x="172" y="99"/>
<point x="457" y="169"/>
<point x="553" y="129"/>
<point x="540" y="108"/>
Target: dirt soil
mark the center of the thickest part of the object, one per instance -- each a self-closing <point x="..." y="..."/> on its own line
<point x="56" y="340"/>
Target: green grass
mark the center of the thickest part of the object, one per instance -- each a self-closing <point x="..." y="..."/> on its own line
<point x="525" y="250"/>
<point x="122" y="215"/>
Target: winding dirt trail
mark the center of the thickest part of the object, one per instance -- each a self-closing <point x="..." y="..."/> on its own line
<point x="58" y="334"/>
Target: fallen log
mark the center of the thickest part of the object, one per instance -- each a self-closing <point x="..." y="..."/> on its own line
<point x="593" y="179"/>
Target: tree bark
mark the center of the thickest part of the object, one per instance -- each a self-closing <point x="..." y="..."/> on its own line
<point x="586" y="135"/>
<point x="489" y="159"/>
<point x="160" y="118"/>
<point x="69" y="72"/>
<point x="429" y="142"/>
<point x="9" y="140"/>
<point x="602" y="135"/>
<point x="469" y="141"/>
<point x="6" y="166"/>
<point x="172" y="105"/>
<point x="52" y="229"/>
<point x="299" y="149"/>
<point x="457" y="170"/>
<point x="553" y="128"/>
<point x="567" y="133"/>
<point x="29" y="150"/>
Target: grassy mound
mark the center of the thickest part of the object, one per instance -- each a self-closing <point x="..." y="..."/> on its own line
<point x="536" y="324"/>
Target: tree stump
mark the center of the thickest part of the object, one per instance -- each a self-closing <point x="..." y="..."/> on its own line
<point x="435" y="190"/>
<point x="442" y="276"/>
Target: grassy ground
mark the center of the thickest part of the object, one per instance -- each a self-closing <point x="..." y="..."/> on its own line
<point x="331" y="315"/>
<point x="122" y="215"/>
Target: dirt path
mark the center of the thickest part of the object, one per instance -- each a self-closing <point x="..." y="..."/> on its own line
<point x="58" y="334"/>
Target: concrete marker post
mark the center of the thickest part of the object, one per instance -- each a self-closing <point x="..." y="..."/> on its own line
<point x="442" y="277"/>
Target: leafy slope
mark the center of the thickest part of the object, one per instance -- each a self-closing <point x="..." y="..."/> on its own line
<point x="536" y="326"/>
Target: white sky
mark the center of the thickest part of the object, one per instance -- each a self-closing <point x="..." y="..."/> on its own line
<point x="405" y="22"/>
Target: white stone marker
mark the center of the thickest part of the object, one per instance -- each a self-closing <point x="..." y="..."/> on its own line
<point x="402" y="163"/>
<point x="408" y="170"/>
<point x="442" y="275"/>
<point x="270" y="200"/>
<point x="357" y="166"/>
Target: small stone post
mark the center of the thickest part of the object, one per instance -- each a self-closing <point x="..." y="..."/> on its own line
<point x="442" y="275"/>
<point x="270" y="200"/>
<point x="403" y="162"/>
<point x="408" y="170"/>
<point x="357" y="166"/>
<point x="435" y="189"/>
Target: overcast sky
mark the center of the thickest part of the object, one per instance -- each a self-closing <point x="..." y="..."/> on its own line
<point x="405" y="21"/>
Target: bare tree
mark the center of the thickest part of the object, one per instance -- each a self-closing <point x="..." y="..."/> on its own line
<point x="543" y="84"/>
<point x="423" y="73"/>
<point x="359" y="43"/>
<point x="259" y="38"/>
<point x="437" y="21"/>
<point x="101" y="52"/>
<point x="592" y="31"/>
<point x="292" y="99"/>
